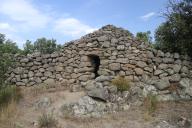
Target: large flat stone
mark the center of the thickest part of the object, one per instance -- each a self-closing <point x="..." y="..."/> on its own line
<point x="99" y="93"/>
<point x="162" y="84"/>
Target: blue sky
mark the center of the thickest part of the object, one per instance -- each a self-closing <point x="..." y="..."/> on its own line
<point x="65" y="20"/>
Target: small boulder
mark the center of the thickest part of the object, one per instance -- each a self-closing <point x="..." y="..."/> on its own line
<point x="138" y="71"/>
<point x="188" y="91"/>
<point x="175" y="78"/>
<point x="24" y="60"/>
<point x="59" y="68"/>
<point x="184" y="69"/>
<point x="47" y="73"/>
<point x="162" y="66"/>
<point x="99" y="93"/>
<point x="176" y="55"/>
<point x="141" y="64"/>
<point x="114" y="66"/>
<point x="30" y="74"/>
<point x="158" y="72"/>
<point x="176" y="68"/>
<point x="103" y="78"/>
<point x="50" y="81"/>
<point x="106" y="72"/>
<point x="120" y="47"/>
<point x="160" y="53"/>
<point x="102" y="38"/>
<point x="112" y="89"/>
<point x="185" y="83"/>
<point x="20" y="84"/>
<point x="91" y="85"/>
<point x="106" y="44"/>
<point x="162" y="84"/>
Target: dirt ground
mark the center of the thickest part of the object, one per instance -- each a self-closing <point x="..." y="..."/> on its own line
<point x="26" y="116"/>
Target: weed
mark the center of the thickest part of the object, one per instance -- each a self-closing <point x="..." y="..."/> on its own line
<point x="147" y="116"/>
<point x="47" y="121"/>
<point x="121" y="83"/>
<point x="150" y="102"/>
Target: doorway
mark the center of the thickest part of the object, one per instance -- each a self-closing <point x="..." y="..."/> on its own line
<point x="95" y="61"/>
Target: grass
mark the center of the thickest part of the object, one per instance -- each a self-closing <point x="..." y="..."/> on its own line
<point x="47" y="121"/>
<point x="9" y="94"/>
<point x="147" y="116"/>
<point x="121" y="83"/>
<point x="41" y="88"/>
<point x="150" y="103"/>
<point x="8" y="115"/>
<point x="8" y="111"/>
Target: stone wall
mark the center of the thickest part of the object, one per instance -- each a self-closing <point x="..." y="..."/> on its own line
<point x="118" y="53"/>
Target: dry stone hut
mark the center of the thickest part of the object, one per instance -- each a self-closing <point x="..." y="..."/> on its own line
<point x="104" y="54"/>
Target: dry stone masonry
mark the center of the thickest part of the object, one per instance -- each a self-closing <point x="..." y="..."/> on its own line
<point x="96" y="58"/>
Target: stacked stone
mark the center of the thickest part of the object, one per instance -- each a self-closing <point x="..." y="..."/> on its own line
<point x="119" y="54"/>
<point x="36" y="68"/>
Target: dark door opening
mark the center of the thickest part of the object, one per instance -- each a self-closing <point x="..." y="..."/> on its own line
<point x="95" y="61"/>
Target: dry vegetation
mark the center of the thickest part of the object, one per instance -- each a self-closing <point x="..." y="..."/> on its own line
<point x="9" y="97"/>
<point x="121" y="83"/>
<point x="8" y="115"/>
<point x="150" y="103"/>
<point x="47" y="121"/>
<point x="23" y="114"/>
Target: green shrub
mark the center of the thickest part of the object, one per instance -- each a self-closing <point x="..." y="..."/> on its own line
<point x="150" y="102"/>
<point x="121" y="83"/>
<point x="8" y="94"/>
<point x="47" y="121"/>
<point x="6" y="61"/>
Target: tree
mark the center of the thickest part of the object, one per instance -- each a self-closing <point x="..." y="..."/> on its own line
<point x="7" y="93"/>
<point x="2" y="38"/>
<point x="174" y="34"/>
<point x="42" y="45"/>
<point x="5" y="62"/>
<point x="28" y="47"/>
<point x="8" y="46"/>
<point x="7" y="49"/>
<point x="144" y="36"/>
<point x="45" y="45"/>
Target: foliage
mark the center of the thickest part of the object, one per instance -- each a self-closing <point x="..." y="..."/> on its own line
<point x="2" y="38"/>
<point x="129" y="34"/>
<point x="121" y="83"/>
<point x="7" y="49"/>
<point x="28" y="47"/>
<point x="42" y="45"/>
<point x="174" y="35"/>
<point x="144" y="36"/>
<point x="5" y="62"/>
<point x="45" y="46"/>
<point x="47" y="121"/>
<point x="150" y="102"/>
